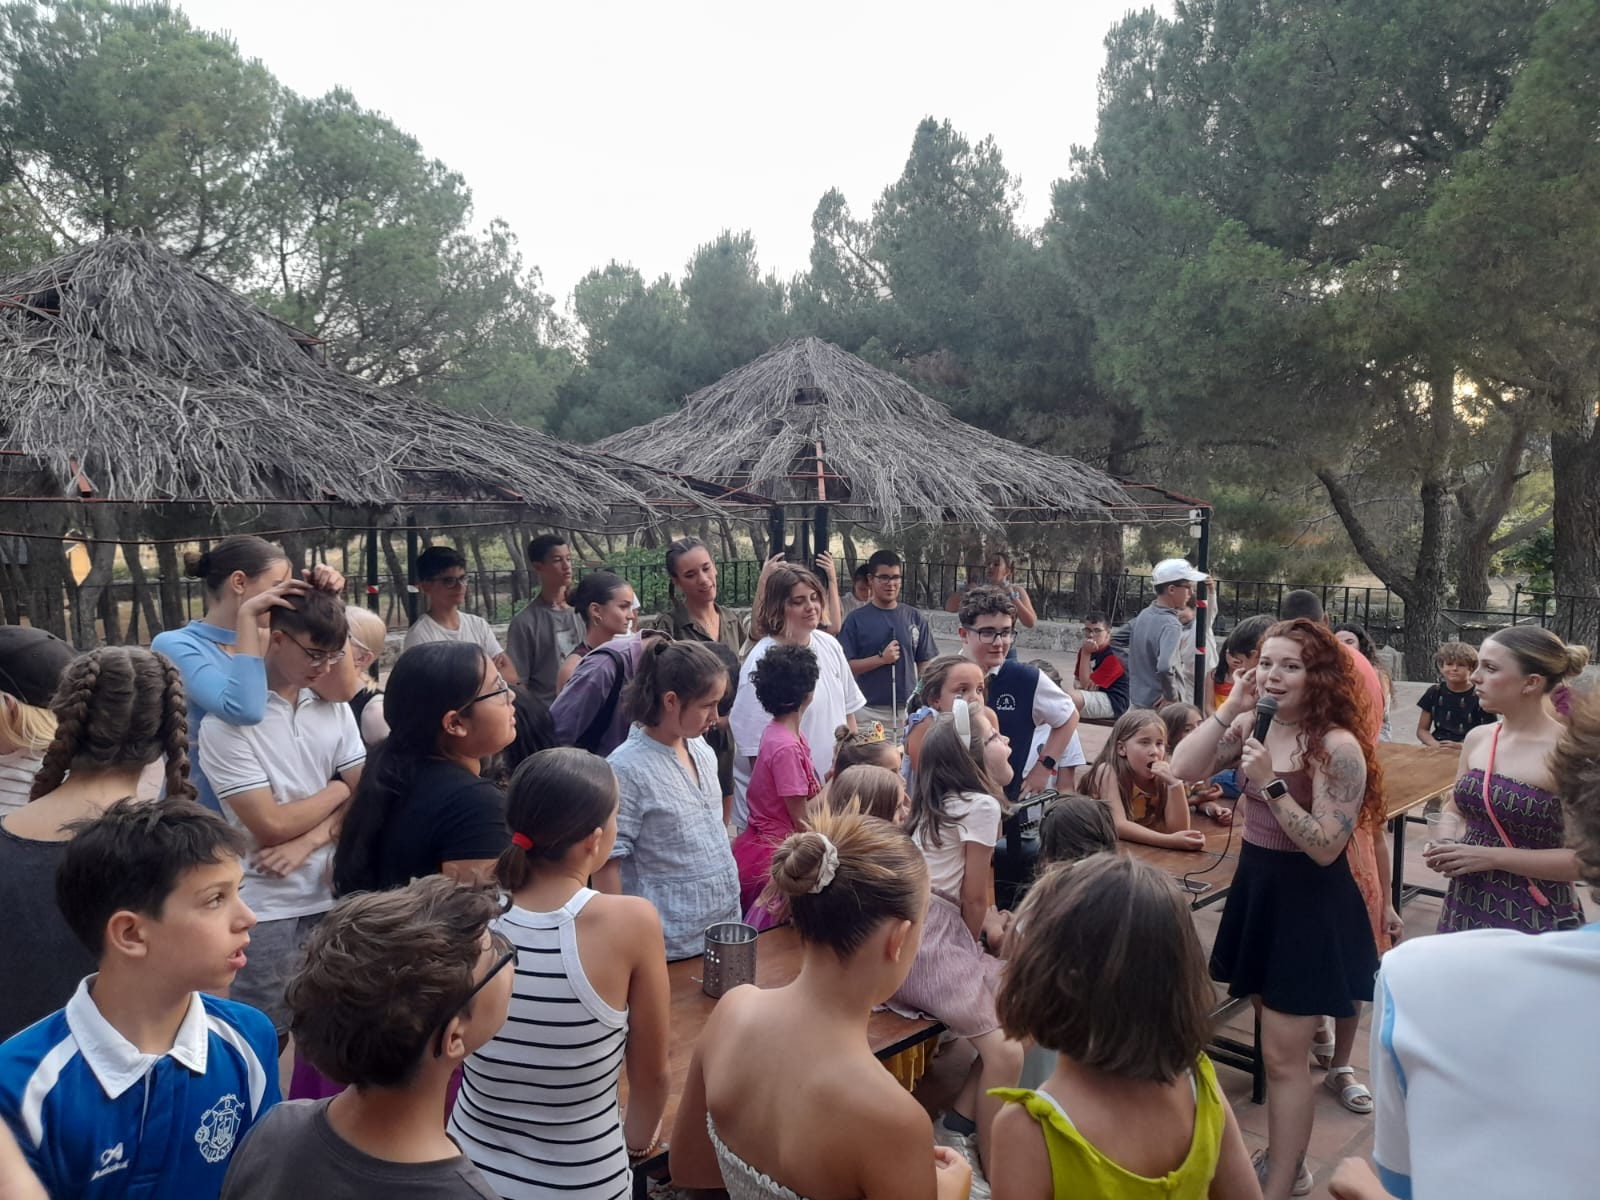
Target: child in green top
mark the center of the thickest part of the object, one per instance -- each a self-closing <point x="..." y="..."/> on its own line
<point x="1133" y="1109"/>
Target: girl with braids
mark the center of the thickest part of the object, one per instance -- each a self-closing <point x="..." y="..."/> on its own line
<point x="671" y="845"/>
<point x="117" y="710"/>
<point x="220" y="654"/>
<point x="422" y="806"/>
<point x="1295" y="934"/>
<point x="839" y="1126"/>
<point x="538" y="1105"/>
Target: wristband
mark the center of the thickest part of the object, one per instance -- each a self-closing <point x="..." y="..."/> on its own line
<point x="1220" y="721"/>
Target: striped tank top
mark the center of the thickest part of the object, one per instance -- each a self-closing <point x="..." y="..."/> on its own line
<point x="537" y="1111"/>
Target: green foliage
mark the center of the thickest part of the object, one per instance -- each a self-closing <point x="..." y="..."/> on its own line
<point x="1536" y="558"/>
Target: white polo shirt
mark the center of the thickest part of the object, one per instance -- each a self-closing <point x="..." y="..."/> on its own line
<point x="296" y="751"/>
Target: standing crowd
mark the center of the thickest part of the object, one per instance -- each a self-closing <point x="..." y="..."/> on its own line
<point x="457" y="898"/>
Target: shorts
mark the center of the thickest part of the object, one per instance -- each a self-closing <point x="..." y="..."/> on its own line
<point x="271" y="960"/>
<point x="1096" y="706"/>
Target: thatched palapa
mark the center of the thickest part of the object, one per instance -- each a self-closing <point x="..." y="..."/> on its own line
<point x="810" y="423"/>
<point x="123" y="367"/>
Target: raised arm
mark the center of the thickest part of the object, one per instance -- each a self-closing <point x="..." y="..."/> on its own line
<point x="1026" y="616"/>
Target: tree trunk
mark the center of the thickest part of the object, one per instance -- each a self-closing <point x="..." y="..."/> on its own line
<point x="142" y="602"/>
<point x="489" y="598"/>
<point x="86" y="595"/>
<point x="48" y="577"/>
<point x="521" y="582"/>
<point x="1483" y="505"/>
<point x="1472" y="575"/>
<point x="170" y="586"/>
<point x="12" y="596"/>
<point x="1575" y="467"/>
<point x="397" y="572"/>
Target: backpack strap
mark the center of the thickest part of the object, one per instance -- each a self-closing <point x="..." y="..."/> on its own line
<point x="596" y="729"/>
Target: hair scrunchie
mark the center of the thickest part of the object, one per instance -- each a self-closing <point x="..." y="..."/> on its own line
<point x="830" y="865"/>
<point x="522" y="841"/>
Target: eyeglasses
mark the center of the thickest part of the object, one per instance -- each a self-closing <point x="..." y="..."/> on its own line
<point x="451" y="581"/>
<point x="889" y="578"/>
<point x="499" y="943"/>
<point x="503" y="690"/>
<point x="315" y="658"/>
<point x="989" y="636"/>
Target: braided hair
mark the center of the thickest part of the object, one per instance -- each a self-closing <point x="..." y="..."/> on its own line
<point x="118" y="706"/>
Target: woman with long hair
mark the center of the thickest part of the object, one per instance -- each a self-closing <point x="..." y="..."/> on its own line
<point x="1511" y="868"/>
<point x="117" y="710"/>
<point x="1295" y="935"/>
<point x="608" y="607"/>
<point x="422" y="806"/>
<point x="789" y="612"/>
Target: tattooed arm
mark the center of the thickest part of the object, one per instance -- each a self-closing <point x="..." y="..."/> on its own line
<point x="1337" y="789"/>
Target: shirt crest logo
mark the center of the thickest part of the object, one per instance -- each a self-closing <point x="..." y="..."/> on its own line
<point x="1005" y="702"/>
<point x="110" y="1162"/>
<point x="219" y="1126"/>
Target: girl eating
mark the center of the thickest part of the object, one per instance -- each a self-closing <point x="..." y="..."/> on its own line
<point x="1148" y="803"/>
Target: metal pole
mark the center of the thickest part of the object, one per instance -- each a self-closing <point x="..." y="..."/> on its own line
<point x="372" y="566"/>
<point x="1202" y="556"/>
<point x="775" y="534"/>
<point x="411" y="570"/>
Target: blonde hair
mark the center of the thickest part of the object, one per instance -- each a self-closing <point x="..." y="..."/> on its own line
<point x="875" y="791"/>
<point x="1540" y="652"/>
<point x="367" y="627"/>
<point x="26" y="726"/>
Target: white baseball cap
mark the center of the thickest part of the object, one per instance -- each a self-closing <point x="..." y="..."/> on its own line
<point x="1171" y="570"/>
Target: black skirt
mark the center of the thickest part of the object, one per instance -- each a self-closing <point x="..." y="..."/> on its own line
<point x="1295" y="934"/>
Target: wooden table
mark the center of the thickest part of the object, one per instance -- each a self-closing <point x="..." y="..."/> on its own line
<point x="1413" y="776"/>
<point x="1214" y="865"/>
<point x="778" y="955"/>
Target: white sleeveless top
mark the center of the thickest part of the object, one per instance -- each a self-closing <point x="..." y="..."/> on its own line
<point x="537" y="1111"/>
<point x="742" y="1180"/>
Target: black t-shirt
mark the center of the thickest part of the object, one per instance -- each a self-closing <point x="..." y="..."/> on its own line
<point x="1454" y="714"/>
<point x="43" y="958"/>
<point x="448" y="815"/>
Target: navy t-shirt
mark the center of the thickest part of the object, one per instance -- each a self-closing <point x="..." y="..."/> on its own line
<point x="868" y="630"/>
<point x="1454" y="714"/>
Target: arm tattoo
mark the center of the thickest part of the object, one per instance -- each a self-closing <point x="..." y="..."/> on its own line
<point x="1339" y="789"/>
<point x="1230" y="749"/>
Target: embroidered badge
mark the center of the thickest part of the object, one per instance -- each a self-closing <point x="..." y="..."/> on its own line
<point x="219" y="1126"/>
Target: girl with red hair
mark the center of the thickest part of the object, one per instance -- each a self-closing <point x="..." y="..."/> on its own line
<point x="1295" y="936"/>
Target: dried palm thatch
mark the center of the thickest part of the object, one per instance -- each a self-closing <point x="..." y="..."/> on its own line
<point x="810" y="423"/>
<point x="124" y="367"/>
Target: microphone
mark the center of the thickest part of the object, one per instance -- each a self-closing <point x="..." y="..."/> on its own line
<point x="1266" y="709"/>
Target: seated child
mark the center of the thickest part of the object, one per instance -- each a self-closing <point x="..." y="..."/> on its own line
<point x="876" y="791"/>
<point x="1450" y="708"/>
<point x="397" y="988"/>
<point x="948" y="678"/>
<point x="1075" y="827"/>
<point x="867" y="746"/>
<point x="143" y="1080"/>
<point x="1133" y="777"/>
<point x="1181" y="720"/>
<point x="1133" y="1108"/>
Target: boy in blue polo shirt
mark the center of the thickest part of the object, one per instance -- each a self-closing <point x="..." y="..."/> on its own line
<point x="142" y="1086"/>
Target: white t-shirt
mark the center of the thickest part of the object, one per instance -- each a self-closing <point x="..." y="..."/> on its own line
<point x="836" y="697"/>
<point x="17" y="770"/>
<point x="977" y="817"/>
<point x="1052" y="707"/>
<point x="473" y="629"/>
<point x="1483" y="1062"/>
<point x="296" y="751"/>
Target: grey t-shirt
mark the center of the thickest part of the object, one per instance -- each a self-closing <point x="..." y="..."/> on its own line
<point x="43" y="959"/>
<point x="1152" y="643"/>
<point x="538" y="641"/>
<point x="293" y="1152"/>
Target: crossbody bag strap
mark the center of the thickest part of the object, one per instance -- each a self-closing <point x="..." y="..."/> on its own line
<point x="1539" y="897"/>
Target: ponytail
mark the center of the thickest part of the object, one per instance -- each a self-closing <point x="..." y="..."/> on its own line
<point x="557" y="798"/>
<point x="688" y="669"/>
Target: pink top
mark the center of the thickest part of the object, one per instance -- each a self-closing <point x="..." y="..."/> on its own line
<point x="783" y="768"/>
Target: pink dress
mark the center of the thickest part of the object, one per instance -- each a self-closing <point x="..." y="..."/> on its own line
<point x="783" y="768"/>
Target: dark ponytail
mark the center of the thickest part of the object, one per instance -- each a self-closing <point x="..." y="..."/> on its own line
<point x="557" y="798"/>
<point x="427" y="682"/>
<point x="241" y="552"/>
<point x="597" y="587"/>
<point x="689" y="669"/>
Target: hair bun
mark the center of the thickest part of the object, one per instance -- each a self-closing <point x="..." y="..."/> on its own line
<point x="797" y="863"/>
<point x="841" y="735"/>
<point x="1577" y="659"/>
<point x="196" y="565"/>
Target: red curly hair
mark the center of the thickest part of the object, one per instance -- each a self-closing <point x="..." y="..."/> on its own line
<point x="1334" y="699"/>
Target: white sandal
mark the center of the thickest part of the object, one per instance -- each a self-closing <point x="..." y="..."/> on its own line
<point x="1354" y="1096"/>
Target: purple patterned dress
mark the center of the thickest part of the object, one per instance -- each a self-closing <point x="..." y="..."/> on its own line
<point x="1498" y="899"/>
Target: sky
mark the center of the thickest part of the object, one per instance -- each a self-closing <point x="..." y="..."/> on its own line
<point x="637" y="131"/>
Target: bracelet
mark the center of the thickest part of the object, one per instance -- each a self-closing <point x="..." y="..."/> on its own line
<point x="1220" y="721"/>
<point x="640" y="1155"/>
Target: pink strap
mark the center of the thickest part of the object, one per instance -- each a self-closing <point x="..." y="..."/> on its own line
<point x="1539" y="897"/>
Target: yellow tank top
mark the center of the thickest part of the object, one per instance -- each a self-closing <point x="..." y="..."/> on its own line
<point x="1078" y="1169"/>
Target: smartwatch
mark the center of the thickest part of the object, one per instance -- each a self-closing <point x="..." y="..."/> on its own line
<point x="1276" y="790"/>
<point x="1047" y="762"/>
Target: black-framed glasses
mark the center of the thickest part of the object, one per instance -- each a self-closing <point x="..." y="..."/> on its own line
<point x="315" y="658"/>
<point x="507" y="954"/>
<point x="989" y="636"/>
<point x="451" y="581"/>
<point x="503" y="690"/>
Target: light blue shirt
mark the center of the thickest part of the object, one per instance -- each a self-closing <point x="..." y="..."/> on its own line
<point x="233" y="686"/>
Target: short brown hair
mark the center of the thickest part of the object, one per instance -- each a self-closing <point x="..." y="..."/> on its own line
<point x="1455" y="654"/>
<point x="766" y="618"/>
<point x="881" y="875"/>
<point x="1108" y="971"/>
<point x="1576" y="767"/>
<point x="985" y="601"/>
<point x="382" y="972"/>
<point x="875" y="790"/>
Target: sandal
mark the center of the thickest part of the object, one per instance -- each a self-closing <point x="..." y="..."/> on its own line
<point x="1303" y="1182"/>
<point x="1352" y="1095"/>
<point x="1322" y="1046"/>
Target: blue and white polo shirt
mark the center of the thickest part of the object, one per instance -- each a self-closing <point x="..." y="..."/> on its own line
<point x="96" y="1117"/>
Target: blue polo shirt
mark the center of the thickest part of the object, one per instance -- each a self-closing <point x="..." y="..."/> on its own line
<point x="233" y="686"/>
<point x="97" y="1118"/>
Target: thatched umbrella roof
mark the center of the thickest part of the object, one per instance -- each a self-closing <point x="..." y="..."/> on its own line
<point x="129" y="374"/>
<point x="810" y="423"/>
